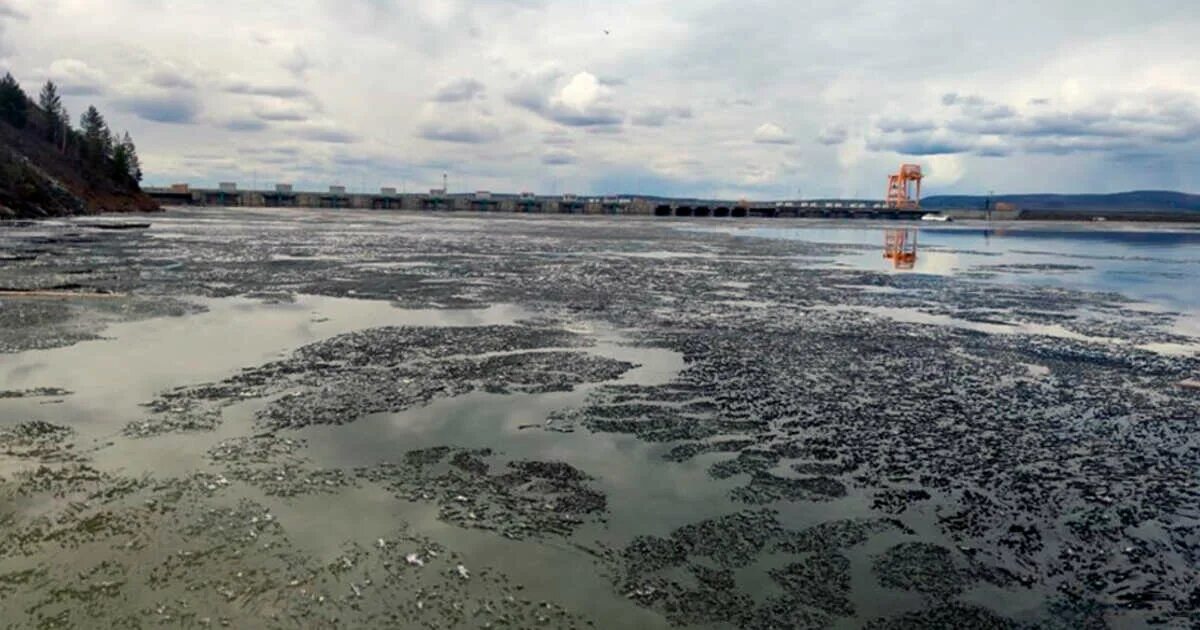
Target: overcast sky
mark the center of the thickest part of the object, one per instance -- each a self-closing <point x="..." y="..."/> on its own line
<point x="688" y="97"/>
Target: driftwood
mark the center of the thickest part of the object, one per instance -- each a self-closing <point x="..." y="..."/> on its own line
<point x="115" y="226"/>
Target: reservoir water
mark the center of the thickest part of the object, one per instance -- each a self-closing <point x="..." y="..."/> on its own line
<point x="303" y="418"/>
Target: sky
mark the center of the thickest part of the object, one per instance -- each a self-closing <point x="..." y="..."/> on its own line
<point x="710" y="98"/>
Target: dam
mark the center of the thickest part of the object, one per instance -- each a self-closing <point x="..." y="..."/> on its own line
<point x="284" y="196"/>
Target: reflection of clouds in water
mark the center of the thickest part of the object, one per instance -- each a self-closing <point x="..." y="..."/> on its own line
<point x="1147" y="263"/>
<point x="136" y="360"/>
<point x="24" y="374"/>
<point x="1188" y="324"/>
<point x="940" y="263"/>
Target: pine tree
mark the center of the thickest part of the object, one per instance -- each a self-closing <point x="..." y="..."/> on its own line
<point x="120" y="162"/>
<point x="56" y="115"/>
<point x="125" y="165"/>
<point x="97" y="139"/>
<point x="14" y="105"/>
<point x="66" y="134"/>
<point x="134" y="168"/>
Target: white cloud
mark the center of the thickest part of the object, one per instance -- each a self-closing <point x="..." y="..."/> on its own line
<point x="580" y="101"/>
<point x="770" y="133"/>
<point x="943" y="170"/>
<point x="76" y="77"/>
<point x="581" y="92"/>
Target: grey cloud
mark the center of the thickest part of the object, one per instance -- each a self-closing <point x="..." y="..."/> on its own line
<point x="459" y="90"/>
<point x="281" y="115"/>
<point x="169" y="78"/>
<point x="1003" y="127"/>
<point x="1075" y="124"/>
<point x="9" y="11"/>
<point x="605" y="130"/>
<point x="245" y="124"/>
<point x="327" y="134"/>
<point x="993" y="152"/>
<point x="297" y="63"/>
<point x="205" y="157"/>
<point x="437" y="164"/>
<point x="77" y="89"/>
<point x="920" y="144"/>
<point x="904" y="125"/>
<point x="269" y="155"/>
<point x="535" y="94"/>
<point x="527" y="99"/>
<point x="275" y="159"/>
<point x="979" y="107"/>
<point x="832" y="135"/>
<point x="954" y="98"/>
<point x="374" y="162"/>
<point x="660" y="116"/>
<point x="1170" y="118"/>
<point x="463" y="133"/>
<point x="591" y="117"/>
<point x="1143" y="157"/>
<point x="558" y="158"/>
<point x="277" y="91"/>
<point x="169" y="107"/>
<point x="269" y="150"/>
<point x="557" y="138"/>
<point x="595" y="116"/>
<point x="996" y="112"/>
<point x="1069" y="145"/>
<point x="76" y="78"/>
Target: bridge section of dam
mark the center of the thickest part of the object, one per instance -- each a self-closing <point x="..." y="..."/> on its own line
<point x="227" y="195"/>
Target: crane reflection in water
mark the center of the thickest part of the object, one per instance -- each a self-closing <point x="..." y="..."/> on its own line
<point x="900" y="247"/>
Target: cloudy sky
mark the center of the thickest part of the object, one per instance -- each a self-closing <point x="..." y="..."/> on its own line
<point x="762" y="99"/>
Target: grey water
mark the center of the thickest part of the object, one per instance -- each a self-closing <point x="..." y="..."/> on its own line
<point x="1152" y="263"/>
<point x="113" y="376"/>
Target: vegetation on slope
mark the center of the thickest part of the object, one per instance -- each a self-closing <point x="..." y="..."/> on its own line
<point x="49" y="168"/>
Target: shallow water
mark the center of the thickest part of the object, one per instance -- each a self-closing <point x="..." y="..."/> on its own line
<point x="1151" y="263"/>
<point x="112" y="379"/>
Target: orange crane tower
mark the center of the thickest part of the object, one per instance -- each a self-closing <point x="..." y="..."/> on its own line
<point x="900" y="188"/>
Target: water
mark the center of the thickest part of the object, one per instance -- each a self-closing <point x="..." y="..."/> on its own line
<point x="113" y="377"/>
<point x="110" y="378"/>
<point x="1153" y="264"/>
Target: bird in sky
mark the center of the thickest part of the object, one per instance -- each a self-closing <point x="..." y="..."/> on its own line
<point x="606" y="31"/>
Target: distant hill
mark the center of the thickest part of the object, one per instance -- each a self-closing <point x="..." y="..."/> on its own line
<point x="47" y="170"/>
<point x="1150" y="201"/>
